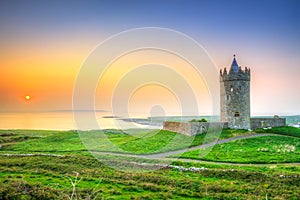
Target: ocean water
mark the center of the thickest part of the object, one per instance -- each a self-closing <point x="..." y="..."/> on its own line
<point x="66" y="121"/>
<point x="37" y="120"/>
<point x="105" y="120"/>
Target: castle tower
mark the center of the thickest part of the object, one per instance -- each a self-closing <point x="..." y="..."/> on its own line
<point x="235" y="96"/>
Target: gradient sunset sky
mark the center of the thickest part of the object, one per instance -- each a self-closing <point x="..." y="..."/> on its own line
<point x="44" y="43"/>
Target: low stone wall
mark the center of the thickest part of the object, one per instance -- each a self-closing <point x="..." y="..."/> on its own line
<point x="179" y="127"/>
<point x="266" y="122"/>
<point x="193" y="128"/>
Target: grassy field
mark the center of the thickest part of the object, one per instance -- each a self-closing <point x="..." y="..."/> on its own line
<point x="288" y="131"/>
<point x="284" y="147"/>
<point x="70" y="172"/>
<point x="69" y="141"/>
<point x="268" y="149"/>
<point x="43" y="177"/>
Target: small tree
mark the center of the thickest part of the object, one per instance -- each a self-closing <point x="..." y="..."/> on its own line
<point x="202" y="120"/>
<point x="198" y="120"/>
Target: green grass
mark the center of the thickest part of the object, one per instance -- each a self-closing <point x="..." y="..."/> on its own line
<point x="55" y="142"/>
<point x="48" y="177"/>
<point x="228" y="133"/>
<point x="146" y="142"/>
<point x="288" y="130"/>
<point x="9" y="137"/>
<point x="267" y="149"/>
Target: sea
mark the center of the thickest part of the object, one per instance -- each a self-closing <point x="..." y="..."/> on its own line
<point x="65" y="120"/>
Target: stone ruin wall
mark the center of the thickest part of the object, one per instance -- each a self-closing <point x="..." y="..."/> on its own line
<point x="179" y="127"/>
<point x="267" y="122"/>
<point x="193" y="128"/>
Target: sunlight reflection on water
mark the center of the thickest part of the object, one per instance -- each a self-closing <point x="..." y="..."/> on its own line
<point x="56" y="121"/>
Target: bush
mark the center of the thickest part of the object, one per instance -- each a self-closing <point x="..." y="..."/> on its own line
<point x="198" y="120"/>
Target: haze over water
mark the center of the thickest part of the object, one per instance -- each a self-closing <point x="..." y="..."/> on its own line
<point x="61" y="121"/>
<point x="64" y="120"/>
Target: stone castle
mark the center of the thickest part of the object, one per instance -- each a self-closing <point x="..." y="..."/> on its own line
<point x="235" y="96"/>
<point x="234" y="106"/>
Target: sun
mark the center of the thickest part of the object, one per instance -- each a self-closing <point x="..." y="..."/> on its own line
<point x="27" y="97"/>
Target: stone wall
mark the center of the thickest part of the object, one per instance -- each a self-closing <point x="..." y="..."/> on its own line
<point x="193" y="128"/>
<point x="267" y="122"/>
<point x="179" y="127"/>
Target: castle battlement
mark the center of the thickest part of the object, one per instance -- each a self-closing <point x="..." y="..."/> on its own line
<point x="232" y="76"/>
<point x="235" y="73"/>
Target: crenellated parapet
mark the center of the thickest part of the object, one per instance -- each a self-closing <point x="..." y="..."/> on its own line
<point x="242" y="74"/>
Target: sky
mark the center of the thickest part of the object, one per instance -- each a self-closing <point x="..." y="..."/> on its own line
<point x="44" y="43"/>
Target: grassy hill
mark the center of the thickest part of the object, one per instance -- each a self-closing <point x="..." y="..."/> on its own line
<point x="284" y="147"/>
<point x="268" y="149"/>
<point x="154" y="141"/>
<point x="56" y="165"/>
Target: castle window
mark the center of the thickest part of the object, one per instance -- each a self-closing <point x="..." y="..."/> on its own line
<point x="231" y="88"/>
<point x="228" y="97"/>
<point x="237" y="114"/>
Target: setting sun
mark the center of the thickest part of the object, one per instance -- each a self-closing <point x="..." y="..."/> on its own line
<point x="27" y="97"/>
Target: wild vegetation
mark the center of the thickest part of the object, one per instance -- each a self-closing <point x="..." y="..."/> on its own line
<point x="56" y="165"/>
<point x="42" y="177"/>
<point x="288" y="131"/>
<point x="268" y="149"/>
<point x="69" y="141"/>
<point x="199" y="120"/>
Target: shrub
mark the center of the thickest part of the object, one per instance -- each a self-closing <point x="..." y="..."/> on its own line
<point x="198" y="120"/>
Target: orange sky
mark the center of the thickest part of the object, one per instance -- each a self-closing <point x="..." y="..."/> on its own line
<point x="137" y="76"/>
<point x="47" y="74"/>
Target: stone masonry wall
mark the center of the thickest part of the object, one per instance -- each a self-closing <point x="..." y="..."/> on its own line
<point x="193" y="128"/>
<point x="179" y="127"/>
<point x="267" y="122"/>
